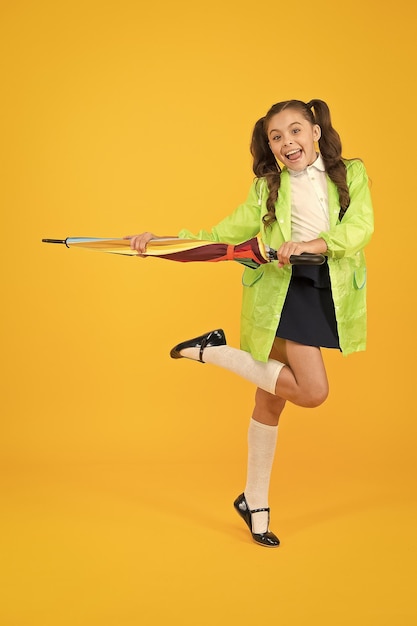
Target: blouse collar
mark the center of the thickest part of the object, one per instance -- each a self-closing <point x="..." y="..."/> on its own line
<point x="318" y="165"/>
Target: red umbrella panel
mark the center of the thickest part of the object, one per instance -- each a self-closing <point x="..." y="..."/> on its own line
<point x="251" y="253"/>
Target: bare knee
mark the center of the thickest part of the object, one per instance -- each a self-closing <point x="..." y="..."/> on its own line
<point x="314" y="397"/>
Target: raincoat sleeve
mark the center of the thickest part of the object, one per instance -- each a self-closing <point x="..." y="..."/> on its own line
<point x="239" y="226"/>
<point x="347" y="237"/>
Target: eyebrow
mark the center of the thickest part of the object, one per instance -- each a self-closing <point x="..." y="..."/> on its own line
<point x="276" y="130"/>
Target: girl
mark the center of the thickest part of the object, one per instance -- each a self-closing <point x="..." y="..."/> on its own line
<point x="317" y="202"/>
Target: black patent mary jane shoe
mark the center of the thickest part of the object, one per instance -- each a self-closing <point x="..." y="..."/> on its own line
<point x="268" y="539"/>
<point x="209" y="340"/>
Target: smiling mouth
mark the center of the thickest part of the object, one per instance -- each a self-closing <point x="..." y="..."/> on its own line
<point x="293" y="154"/>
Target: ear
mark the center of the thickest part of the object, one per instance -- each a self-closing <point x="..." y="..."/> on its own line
<point x="316" y="132"/>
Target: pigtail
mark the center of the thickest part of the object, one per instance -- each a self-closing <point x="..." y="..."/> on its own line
<point x="265" y="166"/>
<point x="331" y="151"/>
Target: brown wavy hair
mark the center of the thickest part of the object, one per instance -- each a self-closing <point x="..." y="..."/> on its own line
<point x="330" y="145"/>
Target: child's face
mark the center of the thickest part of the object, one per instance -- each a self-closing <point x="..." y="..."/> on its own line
<point x="291" y="138"/>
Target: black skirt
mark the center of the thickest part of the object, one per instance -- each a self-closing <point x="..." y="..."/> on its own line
<point x="308" y="316"/>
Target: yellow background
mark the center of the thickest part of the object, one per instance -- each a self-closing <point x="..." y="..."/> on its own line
<point x="119" y="465"/>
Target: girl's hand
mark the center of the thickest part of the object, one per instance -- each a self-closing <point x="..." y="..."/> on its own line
<point x="286" y="250"/>
<point x="139" y="242"/>
<point x="315" y="246"/>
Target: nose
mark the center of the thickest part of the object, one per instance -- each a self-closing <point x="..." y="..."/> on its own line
<point x="287" y="140"/>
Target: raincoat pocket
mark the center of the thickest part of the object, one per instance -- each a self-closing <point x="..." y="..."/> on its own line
<point x="359" y="278"/>
<point x="250" y="276"/>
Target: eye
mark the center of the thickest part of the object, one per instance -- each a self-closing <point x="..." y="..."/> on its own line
<point x="276" y="137"/>
<point x="296" y="130"/>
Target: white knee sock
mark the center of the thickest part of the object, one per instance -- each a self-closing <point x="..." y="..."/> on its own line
<point x="264" y="375"/>
<point x="262" y="440"/>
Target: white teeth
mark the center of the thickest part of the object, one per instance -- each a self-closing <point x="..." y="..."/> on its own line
<point x="292" y="152"/>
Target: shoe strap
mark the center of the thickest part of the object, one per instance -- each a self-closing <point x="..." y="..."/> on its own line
<point x="259" y="510"/>
<point x="203" y="345"/>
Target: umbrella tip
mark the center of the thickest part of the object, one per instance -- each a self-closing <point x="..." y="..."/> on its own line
<point x="55" y="241"/>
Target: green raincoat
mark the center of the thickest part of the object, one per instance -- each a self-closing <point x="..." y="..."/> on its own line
<point x="265" y="288"/>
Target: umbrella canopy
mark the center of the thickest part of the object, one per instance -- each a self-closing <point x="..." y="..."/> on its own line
<point x="251" y="253"/>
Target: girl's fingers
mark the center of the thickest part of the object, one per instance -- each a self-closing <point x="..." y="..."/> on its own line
<point x="139" y="242"/>
<point x="284" y="254"/>
<point x="286" y="250"/>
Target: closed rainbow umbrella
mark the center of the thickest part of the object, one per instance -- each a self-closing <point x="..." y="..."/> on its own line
<point x="251" y="253"/>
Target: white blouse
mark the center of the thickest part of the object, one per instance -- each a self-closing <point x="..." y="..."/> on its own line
<point x="309" y="202"/>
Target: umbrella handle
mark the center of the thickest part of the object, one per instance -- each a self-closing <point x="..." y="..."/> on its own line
<point x="306" y="258"/>
<point x="64" y="241"/>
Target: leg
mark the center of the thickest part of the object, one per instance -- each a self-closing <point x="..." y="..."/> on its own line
<point x="293" y="372"/>
<point x="262" y="436"/>
<point x="299" y="377"/>
<point x="304" y="380"/>
<point x="268" y="407"/>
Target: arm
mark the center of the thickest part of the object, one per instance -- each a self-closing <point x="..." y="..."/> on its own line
<point x="355" y="230"/>
<point x="243" y="223"/>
